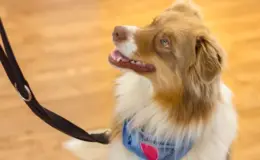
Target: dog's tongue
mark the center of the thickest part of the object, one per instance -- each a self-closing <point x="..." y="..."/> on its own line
<point x="117" y="56"/>
<point x="121" y="61"/>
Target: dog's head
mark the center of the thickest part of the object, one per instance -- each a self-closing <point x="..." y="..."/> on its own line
<point x="175" y="51"/>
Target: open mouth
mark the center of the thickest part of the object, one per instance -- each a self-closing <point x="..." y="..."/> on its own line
<point x="119" y="60"/>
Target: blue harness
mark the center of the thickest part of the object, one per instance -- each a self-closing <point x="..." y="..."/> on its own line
<point x="146" y="148"/>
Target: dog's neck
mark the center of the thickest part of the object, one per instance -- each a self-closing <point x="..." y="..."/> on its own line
<point x="135" y="101"/>
<point x="190" y="104"/>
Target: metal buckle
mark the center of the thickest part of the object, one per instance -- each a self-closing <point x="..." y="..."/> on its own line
<point x="28" y="93"/>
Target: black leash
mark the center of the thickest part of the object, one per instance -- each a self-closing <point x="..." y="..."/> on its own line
<point x="17" y="79"/>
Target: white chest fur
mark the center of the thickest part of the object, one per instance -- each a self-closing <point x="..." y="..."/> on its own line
<point x="134" y="100"/>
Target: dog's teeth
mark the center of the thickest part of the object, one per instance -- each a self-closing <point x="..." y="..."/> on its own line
<point x="118" y="59"/>
<point x="139" y="63"/>
<point x="124" y="60"/>
<point x="133" y="62"/>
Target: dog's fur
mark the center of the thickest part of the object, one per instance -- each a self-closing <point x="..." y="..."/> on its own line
<point x="184" y="97"/>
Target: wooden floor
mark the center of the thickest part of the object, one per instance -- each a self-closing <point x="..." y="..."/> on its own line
<point x="62" y="46"/>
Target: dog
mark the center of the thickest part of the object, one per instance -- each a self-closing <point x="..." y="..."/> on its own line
<point x="171" y="103"/>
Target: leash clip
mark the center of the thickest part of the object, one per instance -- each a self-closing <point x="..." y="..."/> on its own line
<point x="29" y="93"/>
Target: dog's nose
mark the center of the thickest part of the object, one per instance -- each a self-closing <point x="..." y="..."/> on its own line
<point x="119" y="34"/>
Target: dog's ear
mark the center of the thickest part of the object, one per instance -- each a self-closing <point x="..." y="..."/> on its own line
<point x="209" y="58"/>
<point x="186" y="6"/>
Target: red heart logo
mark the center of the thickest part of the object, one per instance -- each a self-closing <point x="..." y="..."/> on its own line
<point x="150" y="152"/>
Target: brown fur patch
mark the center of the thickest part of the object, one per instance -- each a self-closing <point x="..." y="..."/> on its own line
<point x="188" y="62"/>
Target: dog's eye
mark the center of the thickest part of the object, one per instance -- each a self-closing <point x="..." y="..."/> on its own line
<point x="165" y="42"/>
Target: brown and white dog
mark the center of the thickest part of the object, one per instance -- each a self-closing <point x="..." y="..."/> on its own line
<point x="170" y="87"/>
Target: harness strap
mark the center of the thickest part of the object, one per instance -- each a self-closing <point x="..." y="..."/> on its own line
<point x="17" y="79"/>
